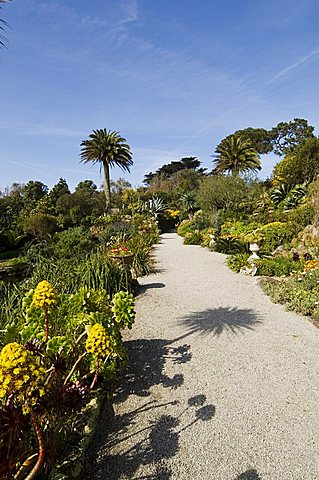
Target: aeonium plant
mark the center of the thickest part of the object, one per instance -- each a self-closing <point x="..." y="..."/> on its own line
<point x="47" y="371"/>
<point x="22" y="383"/>
<point x="44" y="297"/>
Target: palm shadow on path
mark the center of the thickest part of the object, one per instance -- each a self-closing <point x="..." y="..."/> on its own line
<point x="134" y="439"/>
<point x="249" y="475"/>
<point x="223" y="319"/>
<point x="149" y="286"/>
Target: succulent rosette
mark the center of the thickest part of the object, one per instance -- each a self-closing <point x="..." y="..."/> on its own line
<point x="44" y="295"/>
<point x="98" y="342"/>
<point x="20" y="375"/>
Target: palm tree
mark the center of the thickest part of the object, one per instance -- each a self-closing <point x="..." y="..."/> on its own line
<point x="108" y="149"/>
<point x="236" y="155"/>
<point x="3" y="24"/>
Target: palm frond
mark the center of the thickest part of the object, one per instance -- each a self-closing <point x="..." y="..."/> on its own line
<point x="236" y="155"/>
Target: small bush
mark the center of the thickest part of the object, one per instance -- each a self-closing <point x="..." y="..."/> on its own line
<point x="40" y="225"/>
<point x="186" y="226"/>
<point x="230" y="245"/>
<point x="300" y="293"/>
<point x="237" y="262"/>
<point x="194" y="238"/>
<point x="73" y="242"/>
<point x="278" y="266"/>
<point x="238" y="228"/>
<point x="271" y="235"/>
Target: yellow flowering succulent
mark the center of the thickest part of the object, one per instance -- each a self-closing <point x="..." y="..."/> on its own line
<point x="44" y="295"/>
<point x="98" y="341"/>
<point x="172" y="213"/>
<point x="310" y="264"/>
<point x="20" y="375"/>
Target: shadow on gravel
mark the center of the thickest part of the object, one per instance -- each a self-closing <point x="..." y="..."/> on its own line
<point x="147" y="359"/>
<point x="149" y="286"/>
<point x="218" y="320"/>
<point x="126" y="442"/>
<point x="249" y="475"/>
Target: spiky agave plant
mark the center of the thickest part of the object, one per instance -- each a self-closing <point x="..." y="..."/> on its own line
<point x="279" y="194"/>
<point x="155" y="206"/>
<point x="296" y="197"/>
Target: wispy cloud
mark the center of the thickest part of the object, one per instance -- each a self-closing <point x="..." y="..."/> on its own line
<point x="294" y="66"/>
<point x="39" y="129"/>
<point x="130" y="10"/>
<point x="28" y="166"/>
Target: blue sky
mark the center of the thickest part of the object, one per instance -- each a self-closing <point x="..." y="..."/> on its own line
<point x="173" y="76"/>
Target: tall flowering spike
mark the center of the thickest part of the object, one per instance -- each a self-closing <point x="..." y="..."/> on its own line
<point x="98" y="341"/>
<point x="44" y="295"/>
<point x="20" y="375"/>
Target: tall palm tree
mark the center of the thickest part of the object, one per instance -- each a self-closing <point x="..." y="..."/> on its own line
<point x="236" y="155"/>
<point x="107" y="148"/>
<point x="3" y="24"/>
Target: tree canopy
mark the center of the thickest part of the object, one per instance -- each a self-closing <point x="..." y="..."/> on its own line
<point x="286" y="136"/>
<point x="301" y="165"/>
<point x="107" y="148"/>
<point x="236" y="155"/>
<point x="281" y="139"/>
<point x="186" y="163"/>
<point x="259" y="138"/>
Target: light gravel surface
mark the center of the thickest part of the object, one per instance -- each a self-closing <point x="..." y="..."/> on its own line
<point x="223" y="384"/>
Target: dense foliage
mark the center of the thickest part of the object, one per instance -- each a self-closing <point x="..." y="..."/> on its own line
<point x="66" y="274"/>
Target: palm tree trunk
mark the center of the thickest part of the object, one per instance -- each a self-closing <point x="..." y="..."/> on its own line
<point x="107" y="186"/>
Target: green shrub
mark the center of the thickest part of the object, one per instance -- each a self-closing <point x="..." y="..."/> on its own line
<point x="237" y="262"/>
<point x="72" y="242"/>
<point x="201" y="220"/>
<point x="193" y="238"/>
<point x="186" y="226"/>
<point x="143" y="262"/>
<point x="238" y="228"/>
<point x="300" y="293"/>
<point x="206" y="234"/>
<point x="300" y="217"/>
<point x="271" y="235"/>
<point x="40" y="225"/>
<point x="230" y="245"/>
<point x="225" y="192"/>
<point x="277" y="266"/>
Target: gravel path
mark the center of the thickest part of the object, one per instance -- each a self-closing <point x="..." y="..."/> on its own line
<point x="223" y="384"/>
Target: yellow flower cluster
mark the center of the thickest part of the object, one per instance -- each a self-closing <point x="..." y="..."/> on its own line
<point x="310" y="264"/>
<point x="44" y="295"/>
<point x="98" y="342"/>
<point x="20" y="374"/>
<point x="173" y="213"/>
